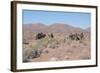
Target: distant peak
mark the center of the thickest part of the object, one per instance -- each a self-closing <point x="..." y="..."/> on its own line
<point x="59" y="24"/>
<point x="39" y="23"/>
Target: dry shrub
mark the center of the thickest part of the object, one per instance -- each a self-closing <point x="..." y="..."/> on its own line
<point x="74" y="46"/>
<point x="81" y="41"/>
<point x="68" y="43"/>
<point x="46" y="51"/>
<point x="85" y="57"/>
<point x="85" y="44"/>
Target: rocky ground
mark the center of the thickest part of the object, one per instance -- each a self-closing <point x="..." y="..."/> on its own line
<point x="58" y="48"/>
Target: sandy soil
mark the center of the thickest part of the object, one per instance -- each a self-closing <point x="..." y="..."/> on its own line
<point x="58" y="48"/>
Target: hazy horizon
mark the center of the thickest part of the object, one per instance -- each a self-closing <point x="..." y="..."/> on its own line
<point x="76" y="19"/>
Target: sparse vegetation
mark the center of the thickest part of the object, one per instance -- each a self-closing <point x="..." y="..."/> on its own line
<point x="45" y="46"/>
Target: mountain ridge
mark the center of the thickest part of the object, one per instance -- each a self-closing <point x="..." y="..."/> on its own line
<point x="56" y="27"/>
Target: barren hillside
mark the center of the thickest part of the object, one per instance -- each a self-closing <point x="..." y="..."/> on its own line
<point x="55" y="42"/>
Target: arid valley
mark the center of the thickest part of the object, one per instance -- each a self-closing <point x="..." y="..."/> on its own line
<point x="56" y="42"/>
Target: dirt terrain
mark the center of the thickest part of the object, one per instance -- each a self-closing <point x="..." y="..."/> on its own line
<point x="57" y="42"/>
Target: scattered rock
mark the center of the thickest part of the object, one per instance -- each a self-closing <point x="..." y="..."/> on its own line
<point x="35" y="54"/>
<point x="66" y="57"/>
<point x="53" y="59"/>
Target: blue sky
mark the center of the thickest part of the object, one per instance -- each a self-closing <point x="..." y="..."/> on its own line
<point x="82" y="20"/>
